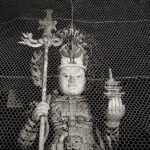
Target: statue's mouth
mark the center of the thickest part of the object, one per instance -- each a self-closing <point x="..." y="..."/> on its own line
<point x="71" y="85"/>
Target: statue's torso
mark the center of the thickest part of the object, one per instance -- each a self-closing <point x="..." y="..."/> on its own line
<point x="72" y="121"/>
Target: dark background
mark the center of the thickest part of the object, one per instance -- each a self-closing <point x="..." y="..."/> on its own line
<point x="120" y="33"/>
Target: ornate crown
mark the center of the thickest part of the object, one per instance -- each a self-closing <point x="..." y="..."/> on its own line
<point x="73" y="51"/>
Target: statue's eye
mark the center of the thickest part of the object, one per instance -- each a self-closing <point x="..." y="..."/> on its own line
<point x="65" y="75"/>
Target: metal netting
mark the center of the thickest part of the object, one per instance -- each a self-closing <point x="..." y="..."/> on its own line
<point x="120" y="35"/>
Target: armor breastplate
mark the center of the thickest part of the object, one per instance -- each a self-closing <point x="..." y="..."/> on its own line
<point x="72" y="123"/>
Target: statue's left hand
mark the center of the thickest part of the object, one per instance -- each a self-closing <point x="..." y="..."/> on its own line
<point x="116" y="111"/>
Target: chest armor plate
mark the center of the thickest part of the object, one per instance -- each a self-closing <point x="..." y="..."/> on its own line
<point x="71" y="118"/>
<point x="70" y="111"/>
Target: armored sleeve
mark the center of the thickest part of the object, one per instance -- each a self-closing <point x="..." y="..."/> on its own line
<point x="108" y="138"/>
<point x="29" y="131"/>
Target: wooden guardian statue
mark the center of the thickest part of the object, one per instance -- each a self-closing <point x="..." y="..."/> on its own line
<point x="68" y="110"/>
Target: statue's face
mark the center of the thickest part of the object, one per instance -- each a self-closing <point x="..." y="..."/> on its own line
<point x="72" y="80"/>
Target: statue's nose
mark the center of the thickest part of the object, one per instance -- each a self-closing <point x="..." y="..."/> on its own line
<point x="72" y="79"/>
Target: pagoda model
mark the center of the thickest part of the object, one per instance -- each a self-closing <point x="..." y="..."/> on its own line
<point x="112" y="87"/>
<point x="67" y="109"/>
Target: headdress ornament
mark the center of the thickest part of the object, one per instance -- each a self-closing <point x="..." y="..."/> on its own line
<point x="73" y="51"/>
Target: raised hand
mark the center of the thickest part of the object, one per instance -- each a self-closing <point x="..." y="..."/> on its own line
<point x="115" y="112"/>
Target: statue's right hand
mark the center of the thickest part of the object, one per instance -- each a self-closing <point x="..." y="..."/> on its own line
<point x="40" y="110"/>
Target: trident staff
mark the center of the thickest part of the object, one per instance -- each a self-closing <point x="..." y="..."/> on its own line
<point x="48" y="40"/>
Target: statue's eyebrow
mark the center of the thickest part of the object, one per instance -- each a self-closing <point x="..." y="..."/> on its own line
<point x="64" y="73"/>
<point x="64" y="69"/>
<point x="78" y="71"/>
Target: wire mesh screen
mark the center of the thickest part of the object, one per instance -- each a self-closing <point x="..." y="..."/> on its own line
<point x="120" y="42"/>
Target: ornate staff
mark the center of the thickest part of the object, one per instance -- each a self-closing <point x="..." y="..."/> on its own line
<point x="48" y="39"/>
